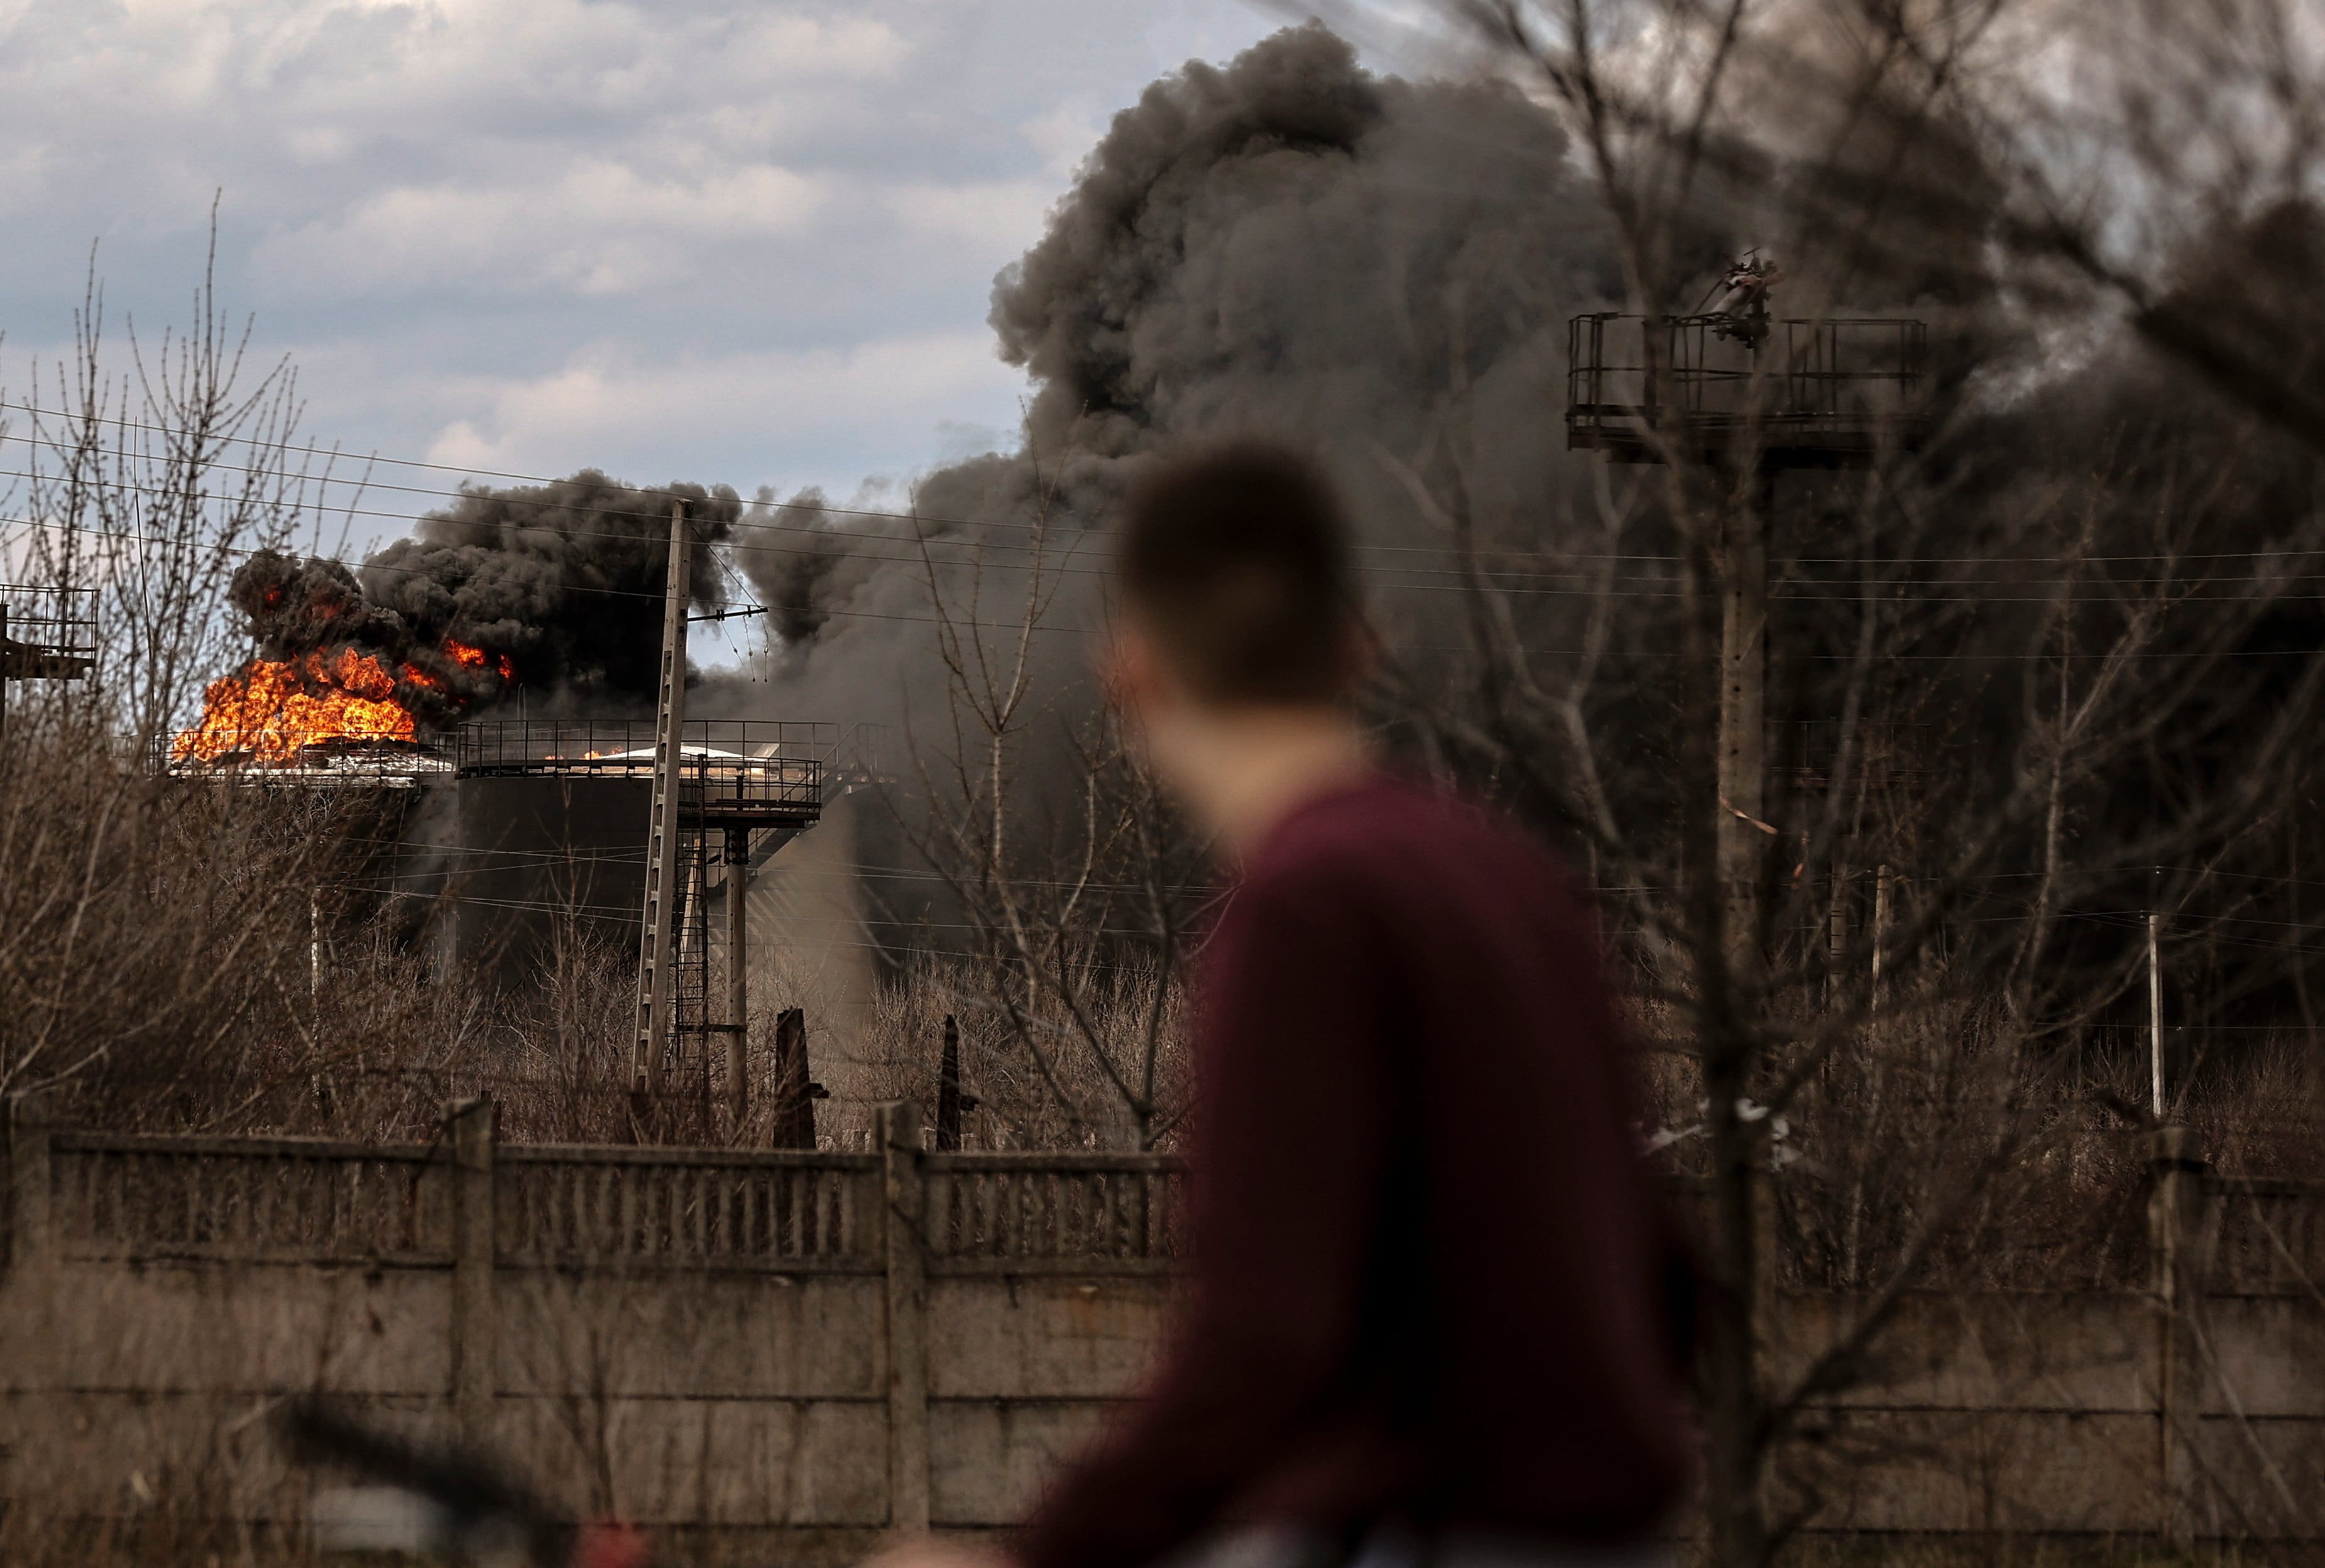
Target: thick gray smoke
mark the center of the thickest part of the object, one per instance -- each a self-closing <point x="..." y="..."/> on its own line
<point x="1371" y="268"/>
<point x="1375" y="269"/>
<point x="790" y="553"/>
<point x="552" y="589"/>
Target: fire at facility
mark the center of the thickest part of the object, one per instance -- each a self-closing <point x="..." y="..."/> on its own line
<point x="273" y="710"/>
<point x="429" y="678"/>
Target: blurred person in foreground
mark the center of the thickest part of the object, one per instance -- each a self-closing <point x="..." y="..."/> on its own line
<point x="1429" y="1315"/>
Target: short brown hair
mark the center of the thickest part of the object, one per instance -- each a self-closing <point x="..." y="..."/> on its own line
<point x="1235" y="557"/>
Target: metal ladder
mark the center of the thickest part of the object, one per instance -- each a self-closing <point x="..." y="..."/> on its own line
<point x="655" y="975"/>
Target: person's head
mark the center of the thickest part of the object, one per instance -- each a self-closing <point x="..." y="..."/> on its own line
<point x="1237" y="606"/>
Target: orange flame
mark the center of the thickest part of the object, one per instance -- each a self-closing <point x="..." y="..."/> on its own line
<point x="478" y="658"/>
<point x="273" y="708"/>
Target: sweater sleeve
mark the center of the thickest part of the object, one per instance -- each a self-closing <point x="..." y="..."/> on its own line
<point x="1294" y="1130"/>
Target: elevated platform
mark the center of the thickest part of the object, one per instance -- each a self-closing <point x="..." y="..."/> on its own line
<point x="1691" y="388"/>
<point x="734" y="772"/>
<point x="46" y="633"/>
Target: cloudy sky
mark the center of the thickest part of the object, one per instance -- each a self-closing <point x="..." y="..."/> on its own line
<point x="719" y="239"/>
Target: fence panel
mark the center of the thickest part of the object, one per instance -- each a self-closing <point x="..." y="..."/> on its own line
<point x="1029" y="1213"/>
<point x="2268" y="1237"/>
<point x="778" y="1212"/>
<point x="121" y="1197"/>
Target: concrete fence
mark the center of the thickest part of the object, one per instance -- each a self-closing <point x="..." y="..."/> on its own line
<point x="785" y="1354"/>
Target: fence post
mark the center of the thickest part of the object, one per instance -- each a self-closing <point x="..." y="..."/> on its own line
<point x="908" y="1382"/>
<point x="32" y="1232"/>
<point x="2174" y="1217"/>
<point x="470" y="1125"/>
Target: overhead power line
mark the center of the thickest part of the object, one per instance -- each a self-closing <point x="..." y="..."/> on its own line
<point x="919" y="519"/>
<point x="1585" y="584"/>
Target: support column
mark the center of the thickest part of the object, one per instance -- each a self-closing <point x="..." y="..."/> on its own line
<point x="31" y="1231"/>
<point x="469" y="1126"/>
<point x="1743" y="712"/>
<point x="2174" y="1225"/>
<point x="903" y="1217"/>
<point x="738" y="979"/>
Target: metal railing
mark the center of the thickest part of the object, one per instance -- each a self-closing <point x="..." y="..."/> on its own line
<point x="1808" y="753"/>
<point x="1639" y="384"/>
<point x="47" y="632"/>
<point x="745" y="760"/>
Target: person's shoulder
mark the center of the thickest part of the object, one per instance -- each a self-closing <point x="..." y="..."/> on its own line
<point x="1392" y="824"/>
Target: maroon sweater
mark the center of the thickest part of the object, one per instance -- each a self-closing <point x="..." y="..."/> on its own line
<point x="1429" y="1285"/>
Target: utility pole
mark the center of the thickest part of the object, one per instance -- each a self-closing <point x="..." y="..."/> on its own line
<point x="656" y="974"/>
<point x="1683" y="398"/>
<point x="738" y="981"/>
<point x="1743" y="709"/>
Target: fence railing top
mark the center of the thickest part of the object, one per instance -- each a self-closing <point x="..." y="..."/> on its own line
<point x="82" y="1141"/>
<point x="2260" y="1187"/>
<point x="677" y="1155"/>
<point x="999" y="1161"/>
<point x="72" y="1139"/>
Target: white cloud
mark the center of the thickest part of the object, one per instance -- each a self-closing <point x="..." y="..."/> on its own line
<point x="607" y="398"/>
<point x="1001" y="216"/>
<point x="740" y="239"/>
<point x="1063" y="136"/>
<point x="600" y="228"/>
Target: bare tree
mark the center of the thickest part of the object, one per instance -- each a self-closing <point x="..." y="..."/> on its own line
<point x="154" y="930"/>
<point x="2028" y="682"/>
<point x="1075" y="880"/>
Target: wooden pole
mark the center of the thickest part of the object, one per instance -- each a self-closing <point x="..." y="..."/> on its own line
<point x="655" y="975"/>
<point x="949" y="1097"/>
<point x="794" y="1090"/>
<point x="2155" y="1021"/>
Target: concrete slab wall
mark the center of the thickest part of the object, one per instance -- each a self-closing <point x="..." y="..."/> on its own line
<point x="790" y="1351"/>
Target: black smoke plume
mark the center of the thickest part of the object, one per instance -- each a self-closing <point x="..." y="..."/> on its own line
<point x="1286" y="243"/>
<point x="564" y="580"/>
<point x="557" y="589"/>
<point x="790" y="556"/>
